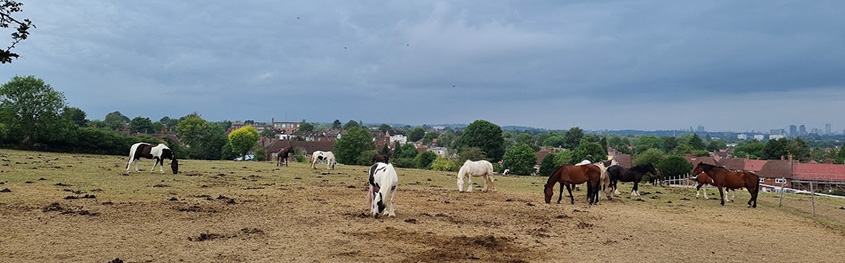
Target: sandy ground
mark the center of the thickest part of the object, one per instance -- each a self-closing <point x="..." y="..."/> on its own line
<point x="255" y="212"/>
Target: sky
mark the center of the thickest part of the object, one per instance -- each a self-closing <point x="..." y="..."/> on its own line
<point x="648" y="65"/>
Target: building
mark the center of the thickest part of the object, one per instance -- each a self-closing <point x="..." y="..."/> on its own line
<point x="793" y="131"/>
<point x="441" y="151"/>
<point x="802" y="131"/>
<point x="742" y="136"/>
<point x="285" y="127"/>
<point x="775" y="137"/>
<point x="827" y="130"/>
<point x="759" y="137"/>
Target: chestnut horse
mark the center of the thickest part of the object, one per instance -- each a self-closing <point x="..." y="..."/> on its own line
<point x="724" y="178"/>
<point x="283" y="155"/>
<point x="568" y="175"/>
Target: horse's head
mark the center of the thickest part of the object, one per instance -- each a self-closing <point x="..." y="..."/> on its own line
<point x="549" y="191"/>
<point x="654" y="171"/>
<point x="174" y="165"/>
<point x="698" y="169"/>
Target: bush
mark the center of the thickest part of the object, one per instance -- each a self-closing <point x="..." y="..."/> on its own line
<point x="348" y="149"/>
<point x="497" y="167"/>
<point x="547" y="166"/>
<point x="472" y="154"/>
<point x="402" y="162"/>
<point x="520" y="159"/>
<point x="366" y="157"/>
<point x="260" y="154"/>
<point x="424" y="159"/>
<point x="443" y="164"/>
<point x="674" y="166"/>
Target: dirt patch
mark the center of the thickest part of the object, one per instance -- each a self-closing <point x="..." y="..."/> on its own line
<point x="63" y="184"/>
<point x="207" y="237"/>
<point x="56" y="207"/>
<point x="441" y="248"/>
<point x="196" y="208"/>
<point x="116" y="260"/>
<point x="5" y="190"/>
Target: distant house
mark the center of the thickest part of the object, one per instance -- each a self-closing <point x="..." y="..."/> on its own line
<point x="776" y="173"/>
<point x="441" y="151"/>
<point x="823" y="175"/>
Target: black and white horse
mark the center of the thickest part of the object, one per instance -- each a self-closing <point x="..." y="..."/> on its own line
<point x="382" y="186"/>
<point x="149" y="151"/>
<point x="320" y="156"/>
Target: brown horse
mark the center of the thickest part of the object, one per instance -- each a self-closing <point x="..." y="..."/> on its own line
<point x="283" y="156"/>
<point x="702" y="180"/>
<point x="724" y="178"/>
<point x="568" y="175"/>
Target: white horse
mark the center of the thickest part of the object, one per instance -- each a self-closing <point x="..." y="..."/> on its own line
<point x="158" y="152"/>
<point x="323" y="156"/>
<point x="383" y="182"/>
<point x="479" y="168"/>
<point x="605" y="180"/>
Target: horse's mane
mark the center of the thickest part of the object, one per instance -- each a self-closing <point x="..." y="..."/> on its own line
<point x="707" y="167"/>
<point x="552" y="176"/>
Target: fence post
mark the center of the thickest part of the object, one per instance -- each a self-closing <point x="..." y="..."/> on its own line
<point x="782" y="189"/>
<point x="813" y="198"/>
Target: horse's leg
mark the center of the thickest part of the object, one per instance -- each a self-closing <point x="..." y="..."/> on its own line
<point x="721" y="195"/>
<point x="161" y="165"/>
<point x="560" y="195"/>
<point x="733" y="195"/>
<point x="460" y="184"/>
<point x="486" y="178"/>
<point x="136" y="165"/>
<point x="469" y="182"/>
<point x="492" y="184"/>
<point x="155" y="162"/>
<point x="571" y="197"/>
<point x="128" y="165"/>
<point x="392" y="211"/>
<point x="698" y="191"/>
<point x="634" y="190"/>
<point x="592" y="192"/>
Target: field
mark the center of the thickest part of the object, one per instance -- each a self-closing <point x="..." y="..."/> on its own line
<point x="82" y="208"/>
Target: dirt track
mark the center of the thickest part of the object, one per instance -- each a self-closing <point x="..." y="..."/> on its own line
<point x="250" y="212"/>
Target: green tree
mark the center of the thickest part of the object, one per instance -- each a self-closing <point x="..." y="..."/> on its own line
<point x="696" y="142"/>
<point x="157" y="127"/>
<point x="840" y="157"/>
<point x="349" y="147"/>
<point x="336" y="125"/>
<point x="429" y="136"/>
<point x="554" y="141"/>
<point x="226" y="152"/>
<point x="384" y="127"/>
<point x="21" y="28"/>
<point x="754" y="150"/>
<point x="799" y="149"/>
<point x="116" y="121"/>
<point x="243" y="140"/>
<point x="268" y="133"/>
<point x="674" y="166"/>
<point x="30" y="109"/>
<point x="407" y="150"/>
<point x="548" y="166"/>
<point x="486" y="136"/>
<point x="653" y="156"/>
<point x="520" y="159"/>
<point x="620" y="143"/>
<point x="647" y="142"/>
<point x="564" y="157"/>
<point x="140" y="125"/>
<point x="171" y="123"/>
<point x="76" y="115"/>
<point x="192" y="130"/>
<point x="669" y="143"/>
<point x="416" y="134"/>
<point x="573" y="138"/>
<point x="716" y="145"/>
<point x="528" y="140"/>
<point x="306" y="127"/>
<point x="472" y="154"/>
<point x="446" y="139"/>
<point x="443" y="164"/>
<point x="350" y="124"/>
<point x="385" y="150"/>
<point x="366" y="157"/>
<point x="589" y="151"/>
<point x="424" y="159"/>
<point x="775" y="149"/>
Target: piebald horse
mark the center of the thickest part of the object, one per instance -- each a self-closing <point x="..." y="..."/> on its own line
<point x="568" y="175"/>
<point x="328" y="157"/>
<point x="157" y="152"/>
<point x="726" y="179"/>
<point x="478" y="168"/>
<point x="633" y="174"/>
<point x="382" y="185"/>
<point x="282" y="156"/>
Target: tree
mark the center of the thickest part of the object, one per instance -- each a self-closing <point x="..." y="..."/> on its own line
<point x="7" y="9"/>
<point x="416" y="134"/>
<point x="446" y="139"/>
<point x="366" y="157"/>
<point x="141" y="125"/>
<point x="775" y="149"/>
<point x="268" y="133"/>
<point x="713" y="146"/>
<point x="573" y="138"/>
<point x="424" y="159"/>
<point x="753" y="150"/>
<point x="840" y="157"/>
<point x="30" y="107"/>
<point x="352" y="144"/>
<point x="696" y="142"/>
<point x="620" y="143"/>
<point x="383" y="128"/>
<point x="429" y="136"/>
<point x="472" y="154"/>
<point x="652" y="156"/>
<point x="554" y="141"/>
<point x="674" y="166"/>
<point x="157" y="127"/>
<point x="171" y="123"/>
<point x="76" y="115"/>
<point x="564" y="157"/>
<point x="647" y="142"/>
<point x="486" y="136"/>
<point x="192" y="130"/>
<point x="350" y="124"/>
<point x="249" y="122"/>
<point x="306" y="127"/>
<point x="407" y="150"/>
<point x="336" y="125"/>
<point x="799" y="149"/>
<point x="385" y="150"/>
<point x="548" y="166"/>
<point x="116" y="121"/>
<point x="589" y="151"/>
<point x="528" y="140"/>
<point x="443" y="164"/>
<point x="520" y="159"/>
<point x="243" y="140"/>
<point x="669" y="143"/>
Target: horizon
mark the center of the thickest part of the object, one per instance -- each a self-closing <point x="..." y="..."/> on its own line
<point x="604" y="65"/>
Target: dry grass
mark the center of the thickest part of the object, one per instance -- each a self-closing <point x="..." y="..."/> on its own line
<point x="223" y="211"/>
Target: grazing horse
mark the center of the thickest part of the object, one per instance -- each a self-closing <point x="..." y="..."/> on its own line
<point x="381" y="158"/>
<point x="323" y="156"/>
<point x="157" y="152"/>
<point x="283" y="155"/>
<point x="478" y="168"/>
<point x="633" y="174"/>
<point x="382" y="183"/>
<point x="568" y="175"/>
<point x="726" y="179"/>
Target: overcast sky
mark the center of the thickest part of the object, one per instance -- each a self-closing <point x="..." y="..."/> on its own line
<point x="726" y="65"/>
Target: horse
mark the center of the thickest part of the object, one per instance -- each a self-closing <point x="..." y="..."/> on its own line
<point x="633" y="174"/>
<point x="477" y="168"/>
<point x="158" y="152"/>
<point x="283" y="155"/>
<point x="702" y="180"/>
<point x="726" y="179"/>
<point x="381" y="158"/>
<point x="568" y="175"/>
<point x="323" y="156"/>
<point x="605" y="178"/>
<point x="383" y="181"/>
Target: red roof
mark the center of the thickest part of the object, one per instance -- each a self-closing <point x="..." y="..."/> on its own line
<point x="754" y="165"/>
<point x="540" y="155"/>
<point x="819" y="172"/>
